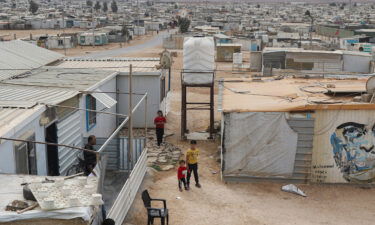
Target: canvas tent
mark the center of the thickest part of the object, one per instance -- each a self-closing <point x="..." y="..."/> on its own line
<point x="297" y="130"/>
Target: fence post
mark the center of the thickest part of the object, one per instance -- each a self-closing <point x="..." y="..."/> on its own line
<point x="130" y="138"/>
<point x="146" y="119"/>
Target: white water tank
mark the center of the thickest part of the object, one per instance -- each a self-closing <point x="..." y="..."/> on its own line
<point x="199" y="60"/>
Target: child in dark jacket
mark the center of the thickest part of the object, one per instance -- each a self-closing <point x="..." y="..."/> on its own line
<point x="181" y="175"/>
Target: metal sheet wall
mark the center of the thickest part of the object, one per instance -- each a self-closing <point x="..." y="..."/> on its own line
<point x="111" y="151"/>
<point x="141" y="84"/>
<point x="351" y="143"/>
<point x="117" y="151"/>
<point x="126" y="197"/>
<point x="69" y="133"/>
<point x="305" y="129"/>
<point x="138" y="145"/>
<point x="274" y="60"/>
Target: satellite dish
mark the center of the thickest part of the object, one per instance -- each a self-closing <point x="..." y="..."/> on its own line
<point x="370" y="85"/>
<point x="165" y="60"/>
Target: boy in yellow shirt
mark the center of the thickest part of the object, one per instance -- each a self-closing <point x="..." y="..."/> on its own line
<point x="192" y="161"/>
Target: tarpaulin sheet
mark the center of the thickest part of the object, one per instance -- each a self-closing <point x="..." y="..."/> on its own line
<point x="259" y="144"/>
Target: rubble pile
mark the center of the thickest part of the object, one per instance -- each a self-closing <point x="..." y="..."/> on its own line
<point x="165" y="156"/>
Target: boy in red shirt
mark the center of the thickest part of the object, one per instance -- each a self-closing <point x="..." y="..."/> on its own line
<point x="181" y="175"/>
<point x="159" y="122"/>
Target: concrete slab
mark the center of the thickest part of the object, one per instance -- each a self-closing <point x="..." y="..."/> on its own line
<point x="199" y="136"/>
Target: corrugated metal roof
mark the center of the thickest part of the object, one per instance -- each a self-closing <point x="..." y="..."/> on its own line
<point x="27" y="97"/>
<point x="299" y="50"/>
<point x="7" y="115"/>
<point x="18" y="56"/>
<point x="52" y="77"/>
<point x="11" y="117"/>
<point x="146" y="65"/>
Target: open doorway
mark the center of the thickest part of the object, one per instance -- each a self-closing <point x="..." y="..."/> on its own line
<point x="52" y="151"/>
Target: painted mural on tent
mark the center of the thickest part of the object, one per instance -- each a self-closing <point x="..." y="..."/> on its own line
<point x="354" y="152"/>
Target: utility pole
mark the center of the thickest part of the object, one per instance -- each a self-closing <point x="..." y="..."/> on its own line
<point x="138" y="17"/>
<point x="63" y="26"/>
<point x="130" y="112"/>
<point x="311" y="30"/>
<point x="92" y="24"/>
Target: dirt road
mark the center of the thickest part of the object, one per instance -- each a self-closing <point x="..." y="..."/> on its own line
<point x="218" y="203"/>
<point x="150" y="43"/>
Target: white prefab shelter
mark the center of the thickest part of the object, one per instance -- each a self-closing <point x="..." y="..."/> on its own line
<point x="152" y="26"/>
<point x="54" y="86"/>
<point x="199" y="60"/>
<point x="146" y="79"/>
<point x="52" y="105"/>
<point x="316" y="61"/>
<point x="96" y="38"/>
<point x="56" y="42"/>
<point x="139" y="31"/>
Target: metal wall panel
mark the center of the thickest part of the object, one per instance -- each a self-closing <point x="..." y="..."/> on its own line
<point x="274" y="60"/>
<point x="126" y="197"/>
<point x="138" y="145"/>
<point x="117" y="151"/>
<point x="69" y="133"/>
<point x="111" y="151"/>
<point x="302" y="165"/>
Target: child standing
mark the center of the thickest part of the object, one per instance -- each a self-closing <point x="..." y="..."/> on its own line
<point x="181" y="175"/>
<point x="159" y="122"/>
<point x="192" y="161"/>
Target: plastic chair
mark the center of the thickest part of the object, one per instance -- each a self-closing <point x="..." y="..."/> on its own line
<point x="152" y="213"/>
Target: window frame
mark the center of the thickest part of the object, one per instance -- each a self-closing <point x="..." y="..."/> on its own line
<point x="25" y="156"/>
<point x="60" y="42"/>
<point x="89" y="100"/>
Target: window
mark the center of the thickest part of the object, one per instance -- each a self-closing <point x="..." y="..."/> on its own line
<point x="162" y="89"/>
<point x="25" y="156"/>
<point x="60" y="42"/>
<point x="97" y="40"/>
<point x="90" y="115"/>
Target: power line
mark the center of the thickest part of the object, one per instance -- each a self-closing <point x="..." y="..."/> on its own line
<point x="88" y="110"/>
<point x="110" y="92"/>
<point x="48" y="143"/>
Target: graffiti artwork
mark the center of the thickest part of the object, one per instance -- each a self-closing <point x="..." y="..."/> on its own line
<point x="353" y="151"/>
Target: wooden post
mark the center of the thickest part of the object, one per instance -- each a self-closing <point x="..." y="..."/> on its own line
<point x="130" y="127"/>
<point x="63" y="27"/>
<point x="183" y="111"/>
<point x="146" y="119"/>
<point x="212" y="110"/>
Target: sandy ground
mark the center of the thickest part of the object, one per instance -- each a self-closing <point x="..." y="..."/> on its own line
<point x="79" y="50"/>
<point x="82" y="50"/>
<point x="218" y="203"/>
<point x="9" y="34"/>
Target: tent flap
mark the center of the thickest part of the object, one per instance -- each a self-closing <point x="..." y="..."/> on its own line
<point x="260" y="144"/>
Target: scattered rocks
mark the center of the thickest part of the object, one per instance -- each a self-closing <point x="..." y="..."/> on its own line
<point x="152" y="159"/>
<point x="167" y="167"/>
<point x="165" y="156"/>
<point x="162" y="157"/>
